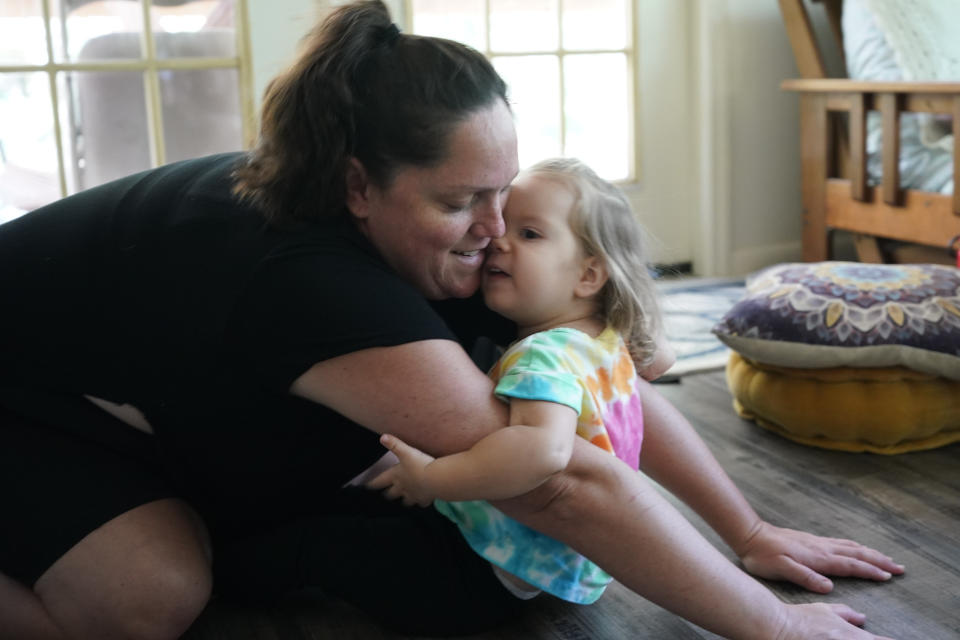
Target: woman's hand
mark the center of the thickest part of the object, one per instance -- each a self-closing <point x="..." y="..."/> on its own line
<point x="406" y="479"/>
<point x="775" y="553"/>
<point x="824" y="621"/>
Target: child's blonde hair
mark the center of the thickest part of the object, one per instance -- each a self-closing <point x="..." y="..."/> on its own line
<point x="608" y="228"/>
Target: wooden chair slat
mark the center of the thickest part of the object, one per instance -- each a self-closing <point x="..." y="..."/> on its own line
<point x="890" y="118"/>
<point x="858" y="147"/>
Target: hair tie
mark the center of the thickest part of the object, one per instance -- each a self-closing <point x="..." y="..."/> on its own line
<point x="390" y="34"/>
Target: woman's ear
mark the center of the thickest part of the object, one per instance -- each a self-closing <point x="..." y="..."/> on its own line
<point x="358" y="189"/>
<point x="592" y="277"/>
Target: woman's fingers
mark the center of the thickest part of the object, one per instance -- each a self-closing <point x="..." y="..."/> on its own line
<point x="821" y="621"/>
<point x="869" y="563"/>
<point x="786" y="568"/>
<point x="848" y="614"/>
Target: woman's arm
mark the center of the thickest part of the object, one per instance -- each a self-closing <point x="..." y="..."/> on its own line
<point x="618" y="519"/>
<point x="663" y="358"/>
<point x="431" y="394"/>
<point x="674" y="455"/>
<point x="427" y="393"/>
<point x="508" y="462"/>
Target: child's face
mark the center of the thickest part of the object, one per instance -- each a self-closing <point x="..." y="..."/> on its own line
<point x="532" y="273"/>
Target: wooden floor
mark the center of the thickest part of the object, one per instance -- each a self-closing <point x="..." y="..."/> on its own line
<point x="907" y="506"/>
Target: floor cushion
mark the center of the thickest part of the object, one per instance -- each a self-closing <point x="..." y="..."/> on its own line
<point x="834" y="314"/>
<point x="851" y="356"/>
<point x="884" y="410"/>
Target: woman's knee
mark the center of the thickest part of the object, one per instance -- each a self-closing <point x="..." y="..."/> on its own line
<point x="144" y="574"/>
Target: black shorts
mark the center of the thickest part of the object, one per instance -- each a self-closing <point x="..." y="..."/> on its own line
<point x="408" y="568"/>
<point x="58" y="486"/>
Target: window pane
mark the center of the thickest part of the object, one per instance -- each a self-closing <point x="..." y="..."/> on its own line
<point x="204" y="28"/>
<point x="523" y="25"/>
<point x="462" y="20"/>
<point x="534" y="92"/>
<point x="22" y="37"/>
<point x="99" y="30"/>
<point x="201" y="112"/>
<point x="596" y="107"/>
<point x="28" y="152"/>
<point x="108" y="129"/>
<point x="595" y="24"/>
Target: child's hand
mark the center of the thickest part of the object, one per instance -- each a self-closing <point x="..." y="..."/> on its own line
<point x="663" y="359"/>
<point x="802" y="558"/>
<point x="406" y="479"/>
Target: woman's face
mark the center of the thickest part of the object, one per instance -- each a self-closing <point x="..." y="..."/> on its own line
<point x="433" y="224"/>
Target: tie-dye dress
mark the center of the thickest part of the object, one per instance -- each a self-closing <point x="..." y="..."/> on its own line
<point x="594" y="376"/>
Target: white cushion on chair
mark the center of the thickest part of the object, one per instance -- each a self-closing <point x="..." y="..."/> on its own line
<point x="894" y="40"/>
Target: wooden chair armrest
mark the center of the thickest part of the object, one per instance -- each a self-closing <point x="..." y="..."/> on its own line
<point x="857" y="97"/>
<point x="842" y="85"/>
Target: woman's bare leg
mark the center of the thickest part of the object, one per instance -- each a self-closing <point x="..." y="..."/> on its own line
<point x="144" y="574"/>
<point x="22" y="614"/>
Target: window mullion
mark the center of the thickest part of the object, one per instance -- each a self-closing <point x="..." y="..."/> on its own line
<point x="54" y="100"/>
<point x="245" y="73"/>
<point x="633" y="70"/>
<point x="486" y="30"/>
<point x="151" y="85"/>
<point x="563" y="88"/>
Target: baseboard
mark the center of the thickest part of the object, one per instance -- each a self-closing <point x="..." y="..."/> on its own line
<point x="672" y="269"/>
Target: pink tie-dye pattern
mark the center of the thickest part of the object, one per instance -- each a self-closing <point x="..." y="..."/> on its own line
<point x="623" y="420"/>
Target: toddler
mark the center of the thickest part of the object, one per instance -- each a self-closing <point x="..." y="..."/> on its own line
<point x="571" y="272"/>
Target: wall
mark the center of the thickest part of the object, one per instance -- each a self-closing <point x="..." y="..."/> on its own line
<point x="750" y="209"/>
<point x="667" y="190"/>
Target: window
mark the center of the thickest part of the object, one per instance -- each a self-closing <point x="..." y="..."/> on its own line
<point x="569" y="67"/>
<point x="92" y="90"/>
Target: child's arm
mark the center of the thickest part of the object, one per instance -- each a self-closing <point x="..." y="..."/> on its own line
<point x="511" y="461"/>
<point x="675" y="456"/>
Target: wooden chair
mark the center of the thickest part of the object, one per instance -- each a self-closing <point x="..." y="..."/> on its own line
<point x="833" y="154"/>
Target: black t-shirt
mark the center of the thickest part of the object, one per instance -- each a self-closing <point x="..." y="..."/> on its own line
<point x="163" y="291"/>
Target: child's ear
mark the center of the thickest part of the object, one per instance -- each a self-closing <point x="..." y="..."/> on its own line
<point x="592" y="277"/>
<point x="358" y="188"/>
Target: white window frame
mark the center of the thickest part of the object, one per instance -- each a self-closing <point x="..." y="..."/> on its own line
<point x="150" y="66"/>
<point x="630" y="51"/>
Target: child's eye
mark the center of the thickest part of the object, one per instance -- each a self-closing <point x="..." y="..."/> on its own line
<point x="529" y="234"/>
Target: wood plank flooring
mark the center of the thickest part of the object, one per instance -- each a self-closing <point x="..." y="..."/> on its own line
<point x="907" y="506"/>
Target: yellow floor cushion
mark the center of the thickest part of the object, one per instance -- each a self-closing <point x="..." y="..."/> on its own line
<point x="881" y="409"/>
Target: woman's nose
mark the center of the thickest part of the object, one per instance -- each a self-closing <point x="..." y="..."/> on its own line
<point x="488" y="221"/>
<point x="497" y="245"/>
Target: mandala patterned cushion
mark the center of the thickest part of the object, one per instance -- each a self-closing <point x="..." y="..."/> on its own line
<point x="849" y="314"/>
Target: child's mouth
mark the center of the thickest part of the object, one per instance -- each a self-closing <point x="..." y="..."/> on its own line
<point x="497" y="272"/>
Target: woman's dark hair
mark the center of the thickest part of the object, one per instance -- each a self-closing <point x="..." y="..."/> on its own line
<point x="360" y="89"/>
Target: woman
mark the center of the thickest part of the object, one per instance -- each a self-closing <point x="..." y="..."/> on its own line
<point x="190" y="351"/>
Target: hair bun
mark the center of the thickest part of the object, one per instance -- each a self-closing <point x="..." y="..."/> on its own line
<point x="390" y="34"/>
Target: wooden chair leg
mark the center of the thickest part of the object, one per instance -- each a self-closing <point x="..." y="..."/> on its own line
<point x="868" y="248"/>
<point x="813" y="154"/>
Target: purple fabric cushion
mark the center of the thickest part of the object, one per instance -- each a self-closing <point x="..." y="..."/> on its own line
<point x="849" y="314"/>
